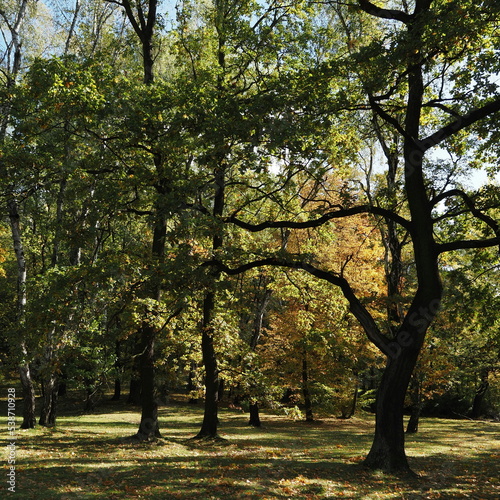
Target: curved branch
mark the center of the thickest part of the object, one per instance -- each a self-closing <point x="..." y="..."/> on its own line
<point x="338" y="214"/>
<point x="355" y="306"/>
<point x="492" y="223"/>
<point x="396" y="15"/>
<point x="460" y="123"/>
<point x="467" y="244"/>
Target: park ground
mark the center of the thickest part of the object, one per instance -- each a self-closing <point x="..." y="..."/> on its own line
<point x="90" y="456"/>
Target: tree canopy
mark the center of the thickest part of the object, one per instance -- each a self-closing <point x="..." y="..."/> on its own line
<point x="266" y="199"/>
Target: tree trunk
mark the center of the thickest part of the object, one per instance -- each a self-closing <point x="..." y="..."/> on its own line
<point x="479" y="396"/>
<point x="210" y="417"/>
<point x="49" y="402"/>
<point x="348" y="411"/>
<point x="254" y="415"/>
<point x="305" y="390"/>
<point x="388" y="449"/>
<point x="149" y="428"/>
<point x="416" y="408"/>
<point x="134" y="394"/>
<point x="29" y="409"/>
<point x="412" y="427"/>
<point x="117" y="391"/>
<point x="29" y="418"/>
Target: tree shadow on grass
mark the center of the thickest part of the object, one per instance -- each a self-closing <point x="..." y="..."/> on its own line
<point x="250" y="477"/>
<point x="187" y="469"/>
<point x="281" y="460"/>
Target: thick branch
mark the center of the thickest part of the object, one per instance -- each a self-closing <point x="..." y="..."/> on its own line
<point x="467" y="244"/>
<point x="492" y="223"/>
<point x="347" y="212"/>
<point x="396" y="15"/>
<point x="356" y="307"/>
<point x="459" y="124"/>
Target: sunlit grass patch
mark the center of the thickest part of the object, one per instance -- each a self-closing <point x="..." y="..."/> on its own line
<point x="88" y="456"/>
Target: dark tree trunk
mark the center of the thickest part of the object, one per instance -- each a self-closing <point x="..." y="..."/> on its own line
<point x="117" y="390"/>
<point x="348" y="411"/>
<point x="49" y="402"/>
<point x="134" y="394"/>
<point x="210" y="417"/>
<point x="118" y="367"/>
<point x="412" y="427"/>
<point x="479" y="396"/>
<point x="305" y="390"/>
<point x="388" y="448"/>
<point x="90" y="401"/>
<point x="149" y="428"/>
<point x="416" y="396"/>
<point x="63" y="389"/>
<point x="254" y="415"/>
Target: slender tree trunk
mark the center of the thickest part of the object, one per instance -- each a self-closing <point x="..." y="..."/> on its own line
<point x="117" y="392"/>
<point x="480" y="394"/>
<point x="29" y="419"/>
<point x="412" y="427"/>
<point x="210" y="416"/>
<point x="118" y="367"/>
<point x="416" y="408"/>
<point x="254" y="417"/>
<point x="305" y="389"/>
<point x="349" y="411"/>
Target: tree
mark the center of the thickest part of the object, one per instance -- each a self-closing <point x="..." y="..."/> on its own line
<point x="418" y="54"/>
<point x="12" y="59"/>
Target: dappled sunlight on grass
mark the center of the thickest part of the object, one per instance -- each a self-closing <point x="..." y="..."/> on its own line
<point x="90" y="457"/>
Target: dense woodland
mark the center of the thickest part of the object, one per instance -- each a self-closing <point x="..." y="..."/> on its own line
<point x="281" y="204"/>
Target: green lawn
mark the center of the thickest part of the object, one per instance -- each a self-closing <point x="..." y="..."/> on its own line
<point x="88" y="456"/>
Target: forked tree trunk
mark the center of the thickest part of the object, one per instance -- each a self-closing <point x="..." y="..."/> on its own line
<point x="29" y="417"/>
<point x="49" y="402"/>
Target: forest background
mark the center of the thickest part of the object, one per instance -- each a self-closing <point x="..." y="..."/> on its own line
<point x="269" y="202"/>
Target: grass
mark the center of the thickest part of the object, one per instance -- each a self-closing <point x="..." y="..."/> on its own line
<point x="88" y="457"/>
